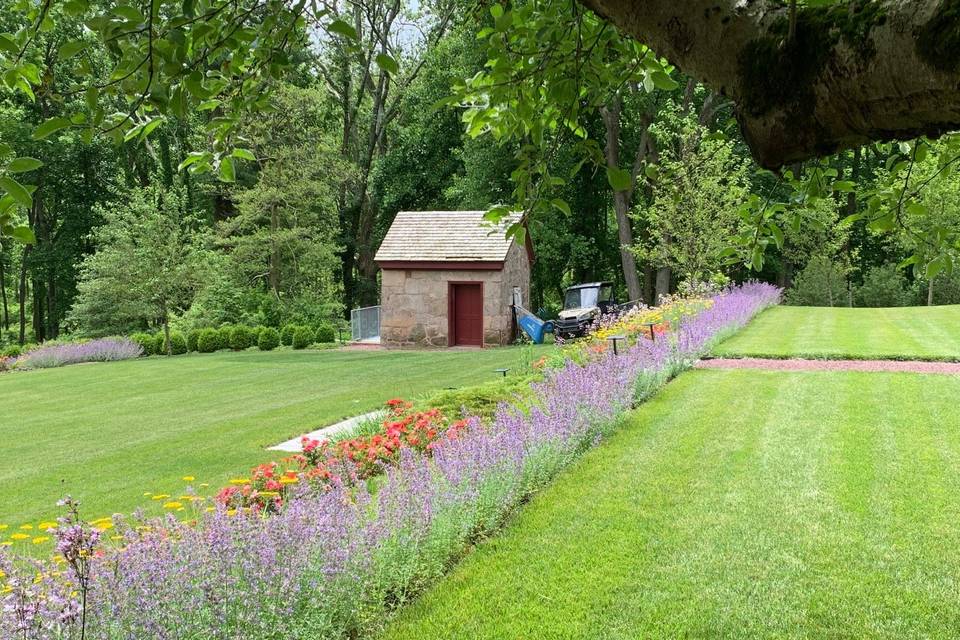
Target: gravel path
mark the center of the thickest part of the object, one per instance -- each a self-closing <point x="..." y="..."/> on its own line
<point x="909" y="366"/>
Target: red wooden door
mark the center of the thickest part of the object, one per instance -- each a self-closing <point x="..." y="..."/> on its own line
<point x="467" y="314"/>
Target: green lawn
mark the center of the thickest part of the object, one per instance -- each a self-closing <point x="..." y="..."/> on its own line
<point x="108" y="432"/>
<point x="903" y="333"/>
<point x="736" y="504"/>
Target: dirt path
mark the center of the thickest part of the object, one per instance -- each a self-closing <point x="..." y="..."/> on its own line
<point x="909" y="366"/>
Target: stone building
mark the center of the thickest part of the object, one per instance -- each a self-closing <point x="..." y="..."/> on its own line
<point x="448" y="279"/>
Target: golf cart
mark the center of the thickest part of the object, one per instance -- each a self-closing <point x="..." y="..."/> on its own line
<point x="583" y="304"/>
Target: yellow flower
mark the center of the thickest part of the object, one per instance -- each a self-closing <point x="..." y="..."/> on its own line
<point x="19" y="536"/>
<point x="188" y="478"/>
<point x="4" y="526"/>
<point x="268" y="494"/>
<point x="40" y="539"/>
<point x="188" y="498"/>
<point x="116" y="538"/>
<point x="6" y="589"/>
<point x="239" y="481"/>
<point x="26" y="527"/>
<point x="172" y="505"/>
<point x="46" y="526"/>
<point x="210" y="509"/>
<point x="204" y="484"/>
<point x="231" y="512"/>
<point x="289" y="480"/>
<point x="6" y="543"/>
<point x="103" y="526"/>
<point x="161" y="496"/>
<point x="147" y="494"/>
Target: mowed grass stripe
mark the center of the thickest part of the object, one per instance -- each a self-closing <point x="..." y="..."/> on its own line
<point x="108" y="432"/>
<point x="737" y="504"/>
<point x="903" y="333"/>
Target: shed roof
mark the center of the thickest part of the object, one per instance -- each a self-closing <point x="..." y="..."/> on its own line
<point x="445" y="236"/>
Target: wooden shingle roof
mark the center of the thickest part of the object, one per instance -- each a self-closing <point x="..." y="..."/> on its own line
<point x="444" y="236"/>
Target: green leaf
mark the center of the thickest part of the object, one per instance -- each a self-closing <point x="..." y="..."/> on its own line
<point x="662" y="81"/>
<point x="619" y="179"/>
<point x="561" y="205"/>
<point x="342" y="28"/>
<point x="71" y="49"/>
<point x="8" y="45"/>
<point x="227" y="171"/>
<point x="844" y="186"/>
<point x="150" y="126"/>
<point x="17" y="191"/>
<point x="49" y="127"/>
<point x="652" y="171"/>
<point x="387" y="63"/>
<point x="496" y="10"/>
<point x="23" y="234"/>
<point x="934" y="267"/>
<point x="24" y="164"/>
<point x="244" y="154"/>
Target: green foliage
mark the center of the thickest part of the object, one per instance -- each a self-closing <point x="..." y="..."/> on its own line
<point x="11" y="351"/>
<point x="178" y="343"/>
<point x="149" y="263"/>
<point x="286" y="334"/>
<point x="224" y="335"/>
<point x="269" y="339"/>
<point x="208" y="341"/>
<point x="552" y="68"/>
<point x="325" y="333"/>
<point x="821" y="284"/>
<point x="482" y="399"/>
<point x="193" y="337"/>
<point x="145" y="341"/>
<point x="242" y="337"/>
<point x="302" y="337"/>
<point x="159" y="344"/>
<point x="696" y="201"/>
<point x="883" y="286"/>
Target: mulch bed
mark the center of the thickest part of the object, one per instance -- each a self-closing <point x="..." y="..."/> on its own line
<point x="908" y="366"/>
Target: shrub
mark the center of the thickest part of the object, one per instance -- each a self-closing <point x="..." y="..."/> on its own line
<point x="821" y="284"/>
<point x="13" y="351"/>
<point x="178" y="344"/>
<point x="225" y="333"/>
<point x="883" y="286"/>
<point x="146" y="342"/>
<point x="325" y="333"/>
<point x="192" y="337"/>
<point x="208" y="341"/>
<point x="269" y="339"/>
<point x="160" y="344"/>
<point x="286" y="334"/>
<point x="242" y="337"/>
<point x="302" y="337"/>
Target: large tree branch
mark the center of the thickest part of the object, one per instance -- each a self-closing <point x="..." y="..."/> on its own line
<point x="855" y="71"/>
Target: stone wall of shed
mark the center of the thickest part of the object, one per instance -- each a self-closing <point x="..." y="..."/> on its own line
<point x="414" y="306"/>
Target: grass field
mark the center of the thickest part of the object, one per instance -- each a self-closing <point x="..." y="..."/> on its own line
<point x="904" y="333"/>
<point x="737" y="504"/>
<point x="108" y="432"/>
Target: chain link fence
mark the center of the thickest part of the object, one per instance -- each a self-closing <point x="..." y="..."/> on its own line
<point x="365" y="324"/>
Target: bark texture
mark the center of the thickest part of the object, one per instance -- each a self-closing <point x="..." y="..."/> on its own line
<point x="835" y="77"/>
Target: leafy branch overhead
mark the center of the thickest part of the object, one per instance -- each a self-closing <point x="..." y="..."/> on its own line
<point x="220" y="57"/>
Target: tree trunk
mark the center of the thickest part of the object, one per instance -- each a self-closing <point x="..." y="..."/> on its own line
<point x="22" y="295"/>
<point x="930" y="292"/>
<point x="3" y="293"/>
<point x="621" y="200"/>
<point x="274" y="252"/>
<point x="663" y="283"/>
<point x="853" y="72"/>
<point x="166" y="331"/>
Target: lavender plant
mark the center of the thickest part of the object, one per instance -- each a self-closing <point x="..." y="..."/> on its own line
<point x="335" y="563"/>
<point x="58" y="355"/>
